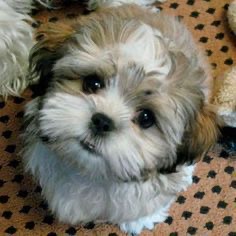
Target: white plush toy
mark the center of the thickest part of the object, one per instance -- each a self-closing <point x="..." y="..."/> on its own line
<point x="225" y="92"/>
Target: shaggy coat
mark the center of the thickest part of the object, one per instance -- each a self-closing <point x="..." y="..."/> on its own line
<point x="142" y="73"/>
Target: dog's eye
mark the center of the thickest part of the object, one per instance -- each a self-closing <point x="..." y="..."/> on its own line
<point x="146" y="118"/>
<point x="92" y="83"/>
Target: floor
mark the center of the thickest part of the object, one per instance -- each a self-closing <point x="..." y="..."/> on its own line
<point x="207" y="208"/>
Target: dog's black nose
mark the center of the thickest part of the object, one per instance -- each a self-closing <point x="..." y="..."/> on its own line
<point x="101" y="124"/>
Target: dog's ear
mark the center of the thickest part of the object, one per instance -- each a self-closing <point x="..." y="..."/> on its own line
<point x="199" y="137"/>
<point x="51" y="38"/>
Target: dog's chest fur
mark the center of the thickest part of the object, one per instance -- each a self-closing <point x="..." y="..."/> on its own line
<point x="76" y="198"/>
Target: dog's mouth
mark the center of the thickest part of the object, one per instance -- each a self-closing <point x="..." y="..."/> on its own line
<point x="88" y="146"/>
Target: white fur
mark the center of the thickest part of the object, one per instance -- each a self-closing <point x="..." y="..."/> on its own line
<point x="15" y="42"/>
<point x="140" y="46"/>
<point x="75" y="198"/>
<point x="127" y="159"/>
<point x="147" y="222"/>
<point x="161" y="213"/>
<point x="20" y="6"/>
<point x="94" y="4"/>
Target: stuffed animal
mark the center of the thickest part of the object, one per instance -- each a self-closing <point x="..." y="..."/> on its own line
<point x="225" y="85"/>
<point x="232" y="16"/>
<point x="225" y="97"/>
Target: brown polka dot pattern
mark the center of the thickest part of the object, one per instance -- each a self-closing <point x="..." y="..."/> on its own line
<point x="208" y="207"/>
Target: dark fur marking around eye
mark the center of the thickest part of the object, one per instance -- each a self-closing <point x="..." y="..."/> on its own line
<point x="43" y="68"/>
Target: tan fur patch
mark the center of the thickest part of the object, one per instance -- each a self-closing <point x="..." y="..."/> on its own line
<point x="205" y="132"/>
<point x="52" y="36"/>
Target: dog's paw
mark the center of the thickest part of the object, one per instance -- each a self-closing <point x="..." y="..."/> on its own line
<point x="154" y="9"/>
<point x="135" y="227"/>
<point x="147" y="222"/>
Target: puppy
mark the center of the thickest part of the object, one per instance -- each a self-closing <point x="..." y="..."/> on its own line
<point x="16" y="40"/>
<point x="121" y="115"/>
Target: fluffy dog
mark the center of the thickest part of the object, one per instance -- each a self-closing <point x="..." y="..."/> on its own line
<point x="16" y="40"/>
<point x="122" y="110"/>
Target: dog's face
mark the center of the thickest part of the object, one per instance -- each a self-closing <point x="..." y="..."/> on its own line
<point x="119" y="102"/>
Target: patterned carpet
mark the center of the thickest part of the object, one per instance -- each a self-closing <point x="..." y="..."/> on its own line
<point x="207" y="208"/>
